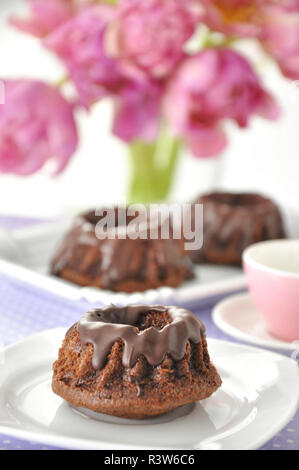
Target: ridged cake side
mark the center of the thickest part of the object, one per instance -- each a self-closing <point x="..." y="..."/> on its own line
<point x="121" y="265"/>
<point x="137" y="392"/>
<point x="232" y="222"/>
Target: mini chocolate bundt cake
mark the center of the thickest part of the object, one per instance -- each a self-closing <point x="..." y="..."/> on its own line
<point x="124" y="263"/>
<point x="135" y="361"/>
<point x="232" y="222"/>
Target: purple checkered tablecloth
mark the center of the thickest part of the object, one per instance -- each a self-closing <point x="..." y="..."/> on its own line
<point x="26" y="309"/>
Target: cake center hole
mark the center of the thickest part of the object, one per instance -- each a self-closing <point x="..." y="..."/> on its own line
<point x="153" y="319"/>
<point x="145" y="320"/>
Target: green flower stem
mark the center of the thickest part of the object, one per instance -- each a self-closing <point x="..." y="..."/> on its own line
<point x="153" y="168"/>
<point x="166" y="159"/>
<point x="142" y="185"/>
<point x="209" y="39"/>
<point x="112" y="2"/>
<point x="61" y="82"/>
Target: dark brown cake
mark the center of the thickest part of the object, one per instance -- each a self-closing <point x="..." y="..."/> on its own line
<point x="125" y="265"/>
<point x="232" y="222"/>
<point x="135" y="361"/>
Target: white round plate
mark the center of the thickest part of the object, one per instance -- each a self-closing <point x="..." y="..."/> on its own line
<point x="239" y="317"/>
<point x="259" y="396"/>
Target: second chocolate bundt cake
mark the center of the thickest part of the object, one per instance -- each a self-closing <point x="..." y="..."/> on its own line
<point x="232" y="222"/>
<point x="135" y="362"/>
<point x="119" y="264"/>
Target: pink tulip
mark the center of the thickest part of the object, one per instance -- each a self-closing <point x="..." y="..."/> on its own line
<point x="47" y="15"/>
<point x="150" y="35"/>
<point x="138" y="110"/>
<point x="212" y="86"/>
<point x="79" y="43"/>
<point x="280" y="35"/>
<point x="234" y="17"/>
<point x="36" y="125"/>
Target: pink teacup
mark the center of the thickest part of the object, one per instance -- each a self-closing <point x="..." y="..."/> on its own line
<point x="272" y="270"/>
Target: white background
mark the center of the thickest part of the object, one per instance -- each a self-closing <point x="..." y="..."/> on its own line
<point x="263" y="158"/>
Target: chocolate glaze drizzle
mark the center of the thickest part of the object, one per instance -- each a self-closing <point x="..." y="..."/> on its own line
<point x="233" y="221"/>
<point x="102" y="327"/>
<point x="110" y="261"/>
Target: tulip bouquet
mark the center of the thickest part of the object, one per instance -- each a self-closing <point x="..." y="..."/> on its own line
<point x="170" y="68"/>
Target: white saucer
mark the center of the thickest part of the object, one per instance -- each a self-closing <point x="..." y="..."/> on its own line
<point x="240" y="415"/>
<point x="239" y="317"/>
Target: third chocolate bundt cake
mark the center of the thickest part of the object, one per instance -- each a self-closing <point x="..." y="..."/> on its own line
<point x="232" y="222"/>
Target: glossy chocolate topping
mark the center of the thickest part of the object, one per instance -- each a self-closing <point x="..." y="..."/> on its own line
<point x="108" y="261"/>
<point x="234" y="221"/>
<point x="102" y="327"/>
<point x="224" y="213"/>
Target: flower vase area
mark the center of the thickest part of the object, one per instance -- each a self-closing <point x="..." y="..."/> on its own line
<point x="153" y="167"/>
<point x="116" y="323"/>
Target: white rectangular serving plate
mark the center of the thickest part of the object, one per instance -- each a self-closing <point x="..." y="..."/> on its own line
<point x="26" y="254"/>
